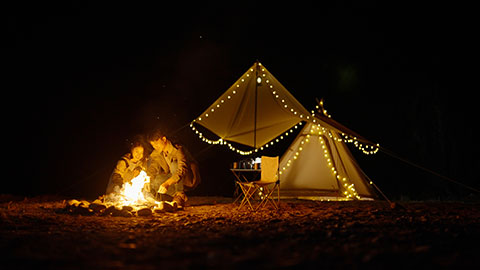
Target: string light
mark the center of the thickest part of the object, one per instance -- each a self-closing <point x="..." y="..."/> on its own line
<point x="367" y="149"/>
<point x="322" y="109"/>
<point x="241" y="152"/>
<point x="230" y="95"/>
<point x="283" y="102"/>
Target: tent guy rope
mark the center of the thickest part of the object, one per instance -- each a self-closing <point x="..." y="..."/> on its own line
<point x="392" y="154"/>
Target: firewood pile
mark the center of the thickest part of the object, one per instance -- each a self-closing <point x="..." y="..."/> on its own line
<point x="99" y="207"/>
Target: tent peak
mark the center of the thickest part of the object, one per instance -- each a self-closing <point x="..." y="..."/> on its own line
<point x="255" y="110"/>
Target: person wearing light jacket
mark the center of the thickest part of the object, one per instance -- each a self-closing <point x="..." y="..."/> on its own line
<point x="181" y="168"/>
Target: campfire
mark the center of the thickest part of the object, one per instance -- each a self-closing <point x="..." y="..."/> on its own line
<point x="133" y="198"/>
<point x="134" y="193"/>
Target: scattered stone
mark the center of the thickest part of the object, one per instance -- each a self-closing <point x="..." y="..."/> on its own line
<point x="125" y="213"/>
<point x="96" y="207"/>
<point x="144" y="212"/>
<point x="110" y="210"/>
<point x="127" y="208"/>
<point x="115" y="212"/>
<point x="81" y="210"/>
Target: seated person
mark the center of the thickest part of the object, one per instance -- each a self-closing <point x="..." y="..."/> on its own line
<point x="127" y="168"/>
<point x="172" y="169"/>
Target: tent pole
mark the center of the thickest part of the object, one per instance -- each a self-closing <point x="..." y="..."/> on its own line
<point x="255" y="114"/>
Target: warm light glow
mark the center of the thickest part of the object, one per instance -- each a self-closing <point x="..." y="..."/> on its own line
<point x="133" y="194"/>
<point x="133" y="190"/>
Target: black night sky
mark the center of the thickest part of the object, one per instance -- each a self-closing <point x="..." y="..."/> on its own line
<point x="82" y="80"/>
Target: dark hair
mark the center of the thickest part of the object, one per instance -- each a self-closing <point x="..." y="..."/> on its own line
<point x="136" y="144"/>
<point x="156" y="134"/>
<point x="138" y="141"/>
<point x="160" y="133"/>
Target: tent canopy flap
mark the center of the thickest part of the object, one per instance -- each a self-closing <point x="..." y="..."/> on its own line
<point x="257" y="106"/>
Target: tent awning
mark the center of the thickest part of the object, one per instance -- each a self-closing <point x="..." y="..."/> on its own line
<point x="256" y="109"/>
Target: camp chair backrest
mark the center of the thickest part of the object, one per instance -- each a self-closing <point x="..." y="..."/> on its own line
<point x="269" y="169"/>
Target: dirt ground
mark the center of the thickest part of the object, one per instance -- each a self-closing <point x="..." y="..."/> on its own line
<point x="213" y="233"/>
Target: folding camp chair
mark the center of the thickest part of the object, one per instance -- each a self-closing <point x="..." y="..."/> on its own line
<point x="264" y="187"/>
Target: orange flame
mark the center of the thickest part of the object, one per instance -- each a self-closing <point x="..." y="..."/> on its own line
<point x="134" y="193"/>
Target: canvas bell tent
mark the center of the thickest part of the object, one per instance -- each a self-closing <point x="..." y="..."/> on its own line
<point x="319" y="165"/>
<point x="257" y="111"/>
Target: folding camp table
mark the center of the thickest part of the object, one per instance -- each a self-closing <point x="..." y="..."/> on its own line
<point x="244" y="175"/>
